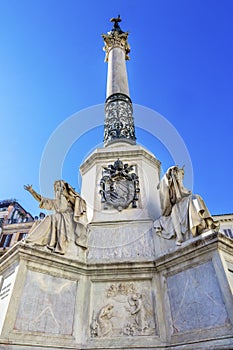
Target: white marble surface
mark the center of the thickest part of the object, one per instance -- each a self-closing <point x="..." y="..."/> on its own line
<point x="6" y="288"/>
<point x="121" y="242"/>
<point x="131" y="308"/>
<point x="196" y="300"/>
<point x="147" y="168"/>
<point x="117" y="81"/>
<point x="47" y="305"/>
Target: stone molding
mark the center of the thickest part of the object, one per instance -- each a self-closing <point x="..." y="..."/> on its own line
<point x="100" y="155"/>
<point x="189" y="250"/>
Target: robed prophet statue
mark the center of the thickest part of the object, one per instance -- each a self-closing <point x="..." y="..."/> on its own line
<point x="182" y="211"/>
<point x="67" y="223"/>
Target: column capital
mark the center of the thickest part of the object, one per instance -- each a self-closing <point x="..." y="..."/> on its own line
<point x="113" y="39"/>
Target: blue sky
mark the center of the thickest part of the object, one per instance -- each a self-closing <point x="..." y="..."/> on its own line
<point x="52" y="66"/>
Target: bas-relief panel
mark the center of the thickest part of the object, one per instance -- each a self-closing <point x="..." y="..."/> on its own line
<point x="122" y="309"/>
<point x="121" y="242"/>
<point x="195" y="299"/>
<point x="47" y="305"/>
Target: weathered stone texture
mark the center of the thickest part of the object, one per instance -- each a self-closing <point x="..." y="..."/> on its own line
<point x="196" y="299"/>
<point x="47" y="305"/>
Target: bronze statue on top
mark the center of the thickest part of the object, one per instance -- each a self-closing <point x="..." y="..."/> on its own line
<point x="116" y="21"/>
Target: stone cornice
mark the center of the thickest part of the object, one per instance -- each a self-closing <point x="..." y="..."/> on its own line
<point x="194" y="248"/>
<point x="129" y="152"/>
<point x="188" y="251"/>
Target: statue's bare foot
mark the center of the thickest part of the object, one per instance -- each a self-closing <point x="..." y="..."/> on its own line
<point x="179" y="241"/>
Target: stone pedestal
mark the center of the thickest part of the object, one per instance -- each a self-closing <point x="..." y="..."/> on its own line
<point x="178" y="300"/>
<point x="146" y="166"/>
<point x="121" y="234"/>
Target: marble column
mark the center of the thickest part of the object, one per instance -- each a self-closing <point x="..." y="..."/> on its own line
<point x="119" y="123"/>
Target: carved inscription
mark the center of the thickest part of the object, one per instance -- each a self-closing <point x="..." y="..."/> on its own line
<point x="230" y="274"/>
<point x="5" y="291"/>
<point x="6" y="288"/>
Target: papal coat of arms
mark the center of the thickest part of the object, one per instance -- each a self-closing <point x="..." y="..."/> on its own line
<point x="119" y="186"/>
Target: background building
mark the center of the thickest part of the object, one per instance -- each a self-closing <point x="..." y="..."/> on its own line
<point x="15" y="223"/>
<point x="226" y="224"/>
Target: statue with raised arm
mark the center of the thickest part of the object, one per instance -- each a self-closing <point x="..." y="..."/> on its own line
<point x="182" y="211"/>
<point x="67" y="223"/>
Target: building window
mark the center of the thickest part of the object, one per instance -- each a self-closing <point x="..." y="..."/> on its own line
<point x="5" y="241"/>
<point x="228" y="232"/>
<point x="22" y="235"/>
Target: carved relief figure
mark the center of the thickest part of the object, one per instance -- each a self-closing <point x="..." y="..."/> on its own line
<point x="101" y="326"/>
<point x="66" y="224"/>
<point x="133" y="312"/>
<point x="138" y="323"/>
<point x="182" y="211"/>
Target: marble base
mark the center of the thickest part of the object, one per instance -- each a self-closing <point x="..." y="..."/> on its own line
<point x="179" y="300"/>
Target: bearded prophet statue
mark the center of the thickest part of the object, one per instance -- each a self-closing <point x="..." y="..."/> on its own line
<point x="182" y="211"/>
<point x="67" y="223"/>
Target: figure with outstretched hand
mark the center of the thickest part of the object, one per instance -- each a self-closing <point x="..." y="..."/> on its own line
<point x="67" y="223"/>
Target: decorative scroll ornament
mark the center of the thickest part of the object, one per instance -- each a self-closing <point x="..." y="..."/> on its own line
<point x="119" y="186"/>
<point x="119" y="122"/>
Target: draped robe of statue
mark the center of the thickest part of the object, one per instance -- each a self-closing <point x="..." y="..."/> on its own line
<point x="182" y="211"/>
<point x="68" y="223"/>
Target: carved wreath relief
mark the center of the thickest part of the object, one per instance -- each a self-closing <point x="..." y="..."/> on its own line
<point x="119" y="186"/>
<point x="128" y="313"/>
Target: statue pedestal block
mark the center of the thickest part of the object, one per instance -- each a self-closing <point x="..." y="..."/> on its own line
<point x="180" y="299"/>
<point x="146" y="167"/>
